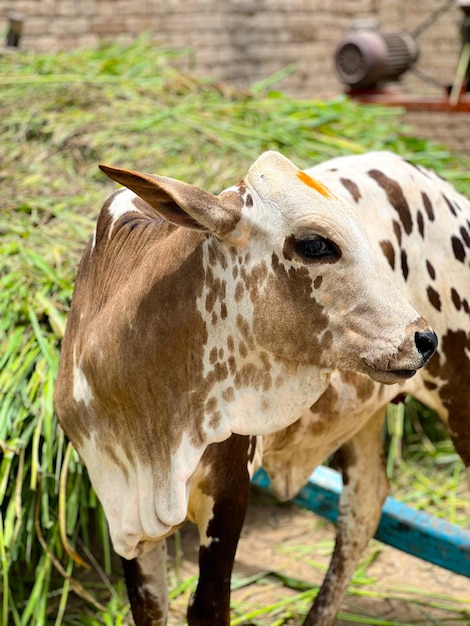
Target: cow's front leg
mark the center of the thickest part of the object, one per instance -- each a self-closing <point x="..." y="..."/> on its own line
<point x="219" y="498"/>
<point x="365" y="487"/>
<point x="146" y="581"/>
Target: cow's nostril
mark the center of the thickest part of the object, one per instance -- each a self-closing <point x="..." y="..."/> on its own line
<point x="426" y="342"/>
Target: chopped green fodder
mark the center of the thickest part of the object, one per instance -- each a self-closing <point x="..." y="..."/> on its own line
<point x="133" y="106"/>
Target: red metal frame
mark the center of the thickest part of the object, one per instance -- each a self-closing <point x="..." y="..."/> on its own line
<point x="412" y="102"/>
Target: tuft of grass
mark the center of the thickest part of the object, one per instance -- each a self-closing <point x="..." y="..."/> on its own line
<point x="291" y="598"/>
<point x="61" y="115"/>
<point x="430" y="475"/>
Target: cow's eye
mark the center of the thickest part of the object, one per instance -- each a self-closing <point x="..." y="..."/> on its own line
<point x="317" y="248"/>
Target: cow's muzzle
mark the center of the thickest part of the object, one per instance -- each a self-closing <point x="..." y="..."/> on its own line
<point x="426" y="345"/>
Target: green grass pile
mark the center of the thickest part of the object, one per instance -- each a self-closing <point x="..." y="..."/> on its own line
<point x="62" y="114"/>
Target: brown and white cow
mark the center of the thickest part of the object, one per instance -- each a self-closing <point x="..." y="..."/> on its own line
<point x="197" y="320"/>
<point x="420" y="226"/>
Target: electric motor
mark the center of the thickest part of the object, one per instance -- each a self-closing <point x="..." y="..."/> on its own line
<point x="365" y="58"/>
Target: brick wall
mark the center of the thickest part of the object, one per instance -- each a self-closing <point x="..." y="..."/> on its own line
<point x="244" y="41"/>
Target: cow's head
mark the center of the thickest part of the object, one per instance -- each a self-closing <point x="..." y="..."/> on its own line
<point x="309" y="288"/>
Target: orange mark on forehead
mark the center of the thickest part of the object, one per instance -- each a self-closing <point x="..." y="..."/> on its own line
<point x="314" y="184"/>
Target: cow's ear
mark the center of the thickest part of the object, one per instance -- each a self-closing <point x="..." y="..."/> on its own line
<point x="181" y="203"/>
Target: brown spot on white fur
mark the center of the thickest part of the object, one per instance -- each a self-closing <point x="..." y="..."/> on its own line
<point x="450" y="205"/>
<point x="431" y="270"/>
<point x="465" y="236"/>
<point x="456" y="299"/>
<point x="397" y="231"/>
<point x="427" y="206"/>
<point x="389" y="252"/>
<point x="395" y="197"/>
<point x="459" y="250"/>
<point x="281" y="336"/>
<point x="404" y="264"/>
<point x="352" y="188"/>
<point x="451" y="366"/>
<point x="434" y="298"/>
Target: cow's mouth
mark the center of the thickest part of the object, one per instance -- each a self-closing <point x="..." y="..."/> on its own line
<point x="388" y="377"/>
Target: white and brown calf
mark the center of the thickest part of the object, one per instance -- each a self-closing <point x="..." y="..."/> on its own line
<point x="197" y="320"/>
<point x="420" y="226"/>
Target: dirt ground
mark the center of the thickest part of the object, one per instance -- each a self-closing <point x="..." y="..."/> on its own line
<point x="295" y="542"/>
